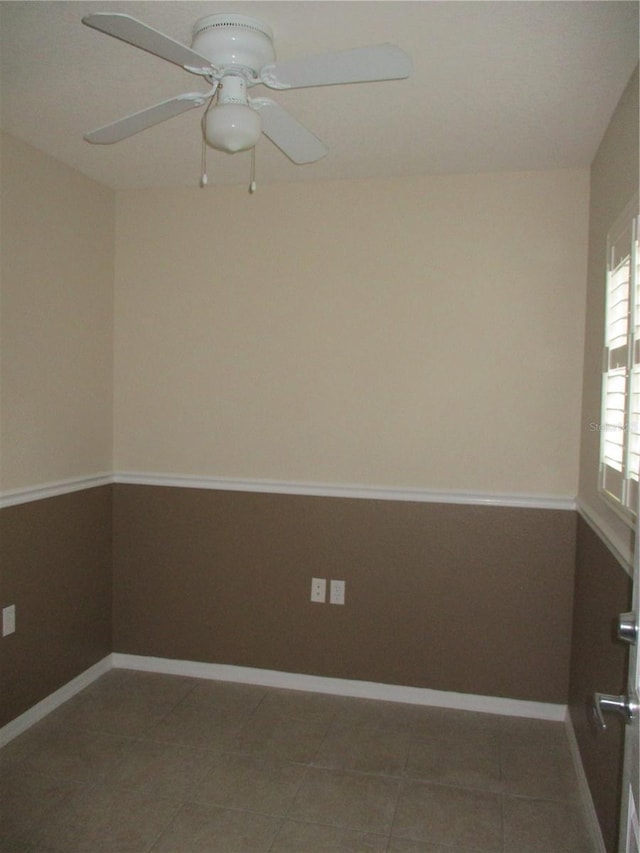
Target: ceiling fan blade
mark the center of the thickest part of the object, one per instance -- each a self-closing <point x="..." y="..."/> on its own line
<point x="145" y="118"/>
<point x="358" y="65"/>
<point x="285" y="131"/>
<point x="134" y="32"/>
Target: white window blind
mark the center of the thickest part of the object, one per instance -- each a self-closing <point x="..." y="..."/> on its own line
<point x="620" y="425"/>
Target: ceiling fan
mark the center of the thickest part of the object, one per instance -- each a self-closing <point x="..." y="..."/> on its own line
<point x="233" y="53"/>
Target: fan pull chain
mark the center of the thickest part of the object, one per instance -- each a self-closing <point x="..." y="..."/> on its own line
<point x="252" y="185"/>
<point x="203" y="158"/>
<point x="203" y="165"/>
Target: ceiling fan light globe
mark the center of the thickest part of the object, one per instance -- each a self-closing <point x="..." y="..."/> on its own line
<point x="232" y="127"/>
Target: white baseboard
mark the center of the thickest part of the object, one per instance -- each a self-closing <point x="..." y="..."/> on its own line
<point x="54" y="700"/>
<point x="285" y="680"/>
<point x="344" y="687"/>
<point x="585" y="793"/>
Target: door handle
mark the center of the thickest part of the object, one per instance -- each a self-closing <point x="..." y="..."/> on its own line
<point x="628" y="627"/>
<point x="604" y="703"/>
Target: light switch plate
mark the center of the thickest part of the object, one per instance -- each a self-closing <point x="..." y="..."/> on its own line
<point x="318" y="590"/>
<point x="8" y="620"/>
<point x="337" y="590"/>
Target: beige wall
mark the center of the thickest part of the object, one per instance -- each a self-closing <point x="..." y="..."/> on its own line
<point x="415" y="333"/>
<point x="56" y="322"/>
<point x="614" y="180"/>
<point x="423" y="332"/>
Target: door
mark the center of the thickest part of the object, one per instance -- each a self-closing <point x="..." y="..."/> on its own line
<point x="629" y="707"/>
<point x="628" y="630"/>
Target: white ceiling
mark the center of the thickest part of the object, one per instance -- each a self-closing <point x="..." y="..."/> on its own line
<point x="496" y="86"/>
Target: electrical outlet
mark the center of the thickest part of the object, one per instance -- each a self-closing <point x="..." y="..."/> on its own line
<point x="8" y="620"/>
<point x="336" y="595"/>
<point x="318" y="590"/>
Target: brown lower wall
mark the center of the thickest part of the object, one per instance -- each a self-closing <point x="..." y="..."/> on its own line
<point x="599" y="663"/>
<point x="471" y="599"/>
<point x="474" y="599"/>
<point x="55" y="566"/>
<point x="451" y="597"/>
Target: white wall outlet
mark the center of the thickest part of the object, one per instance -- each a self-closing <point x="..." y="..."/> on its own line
<point x="318" y="590"/>
<point x="336" y="595"/>
<point x="8" y="620"/>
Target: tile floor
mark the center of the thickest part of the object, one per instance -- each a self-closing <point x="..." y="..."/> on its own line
<point x="141" y="762"/>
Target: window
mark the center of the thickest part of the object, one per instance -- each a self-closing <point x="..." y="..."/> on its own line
<point x="620" y="423"/>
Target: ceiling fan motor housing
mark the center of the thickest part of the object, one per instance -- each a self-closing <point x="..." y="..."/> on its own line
<point x="234" y="41"/>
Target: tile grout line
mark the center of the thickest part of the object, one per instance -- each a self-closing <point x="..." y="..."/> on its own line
<point x="308" y="766"/>
<point x="166" y="828"/>
<point x="400" y="787"/>
<point x="501" y="767"/>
